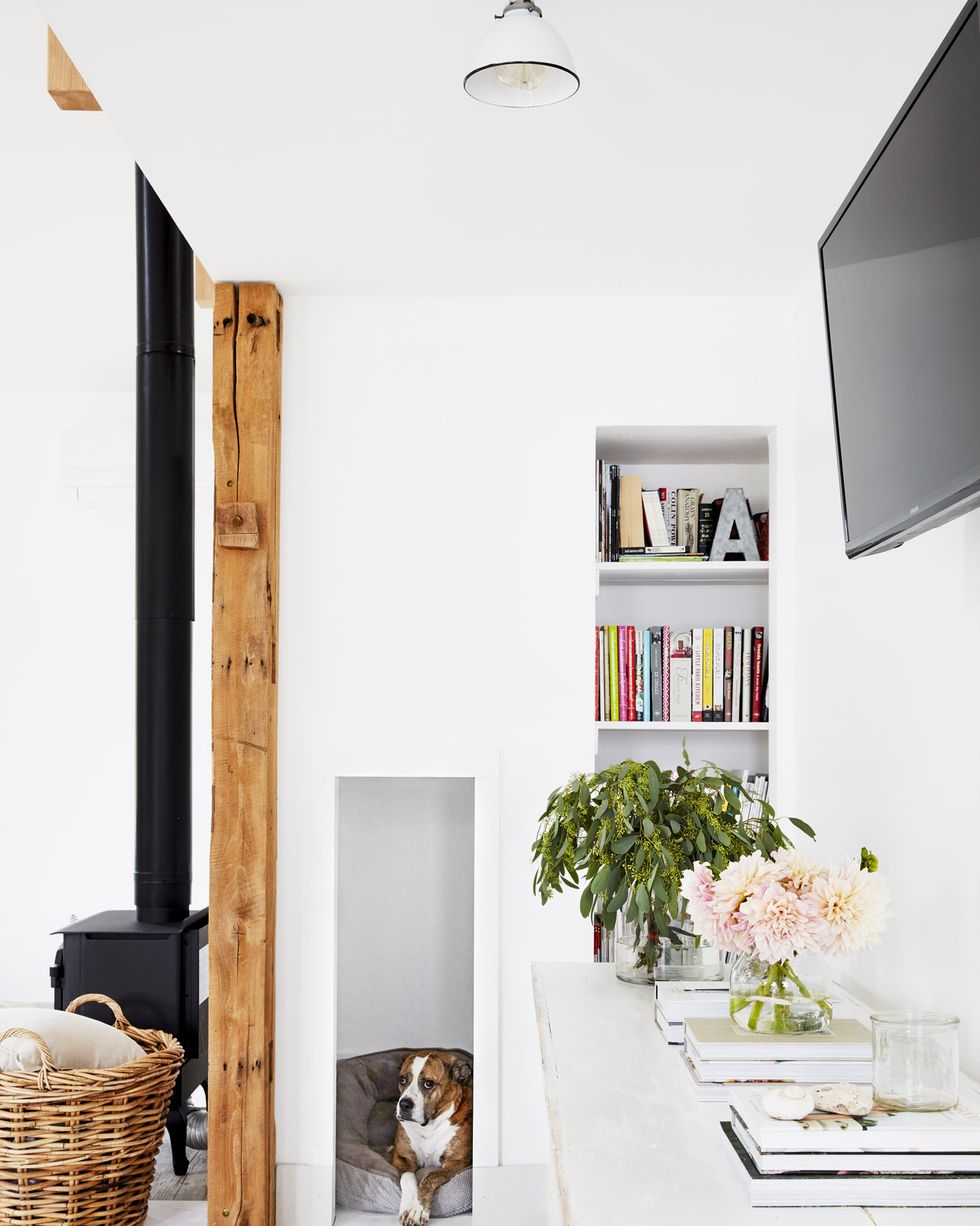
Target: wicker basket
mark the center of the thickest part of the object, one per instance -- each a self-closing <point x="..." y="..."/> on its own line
<point x="78" y="1147"/>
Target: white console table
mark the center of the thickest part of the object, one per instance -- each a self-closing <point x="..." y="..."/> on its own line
<point x="629" y="1142"/>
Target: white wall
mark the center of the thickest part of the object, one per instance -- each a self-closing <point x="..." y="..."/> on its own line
<point x="885" y="722"/>
<point x="438" y="591"/>
<point x="404" y="914"/>
<point x="67" y="587"/>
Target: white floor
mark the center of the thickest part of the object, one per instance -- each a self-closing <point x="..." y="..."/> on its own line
<point x="511" y="1196"/>
<point x="177" y="1213"/>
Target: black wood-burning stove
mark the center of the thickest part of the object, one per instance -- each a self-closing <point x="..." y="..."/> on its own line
<point x="154" y="960"/>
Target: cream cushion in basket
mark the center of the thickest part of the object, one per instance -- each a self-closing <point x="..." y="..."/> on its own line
<point x="75" y="1041"/>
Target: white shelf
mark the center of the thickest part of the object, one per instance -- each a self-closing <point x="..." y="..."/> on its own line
<point x="623" y="725"/>
<point x="654" y="573"/>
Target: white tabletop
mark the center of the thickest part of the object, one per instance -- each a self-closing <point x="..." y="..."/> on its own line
<point x="630" y="1143"/>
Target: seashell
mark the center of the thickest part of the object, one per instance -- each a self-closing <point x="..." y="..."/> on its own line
<point x="843" y="1098"/>
<point x="788" y="1103"/>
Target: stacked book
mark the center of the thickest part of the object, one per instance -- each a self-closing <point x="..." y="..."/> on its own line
<point x="711" y="674"/>
<point x="678" y="1000"/>
<point x="720" y="1056"/>
<point x="634" y="524"/>
<point x="911" y="1158"/>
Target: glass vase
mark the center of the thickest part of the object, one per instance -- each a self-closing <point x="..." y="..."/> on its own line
<point x="788" y="997"/>
<point x="916" y="1060"/>
<point x="637" y="951"/>
<point x="688" y="958"/>
<point x="644" y="957"/>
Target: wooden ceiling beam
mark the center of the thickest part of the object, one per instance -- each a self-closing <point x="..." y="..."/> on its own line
<point x="66" y="85"/>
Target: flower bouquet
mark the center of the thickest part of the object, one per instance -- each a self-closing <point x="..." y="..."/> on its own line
<point x="781" y="914"/>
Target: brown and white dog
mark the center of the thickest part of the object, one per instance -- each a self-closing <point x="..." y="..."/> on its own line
<point x="435" y="1128"/>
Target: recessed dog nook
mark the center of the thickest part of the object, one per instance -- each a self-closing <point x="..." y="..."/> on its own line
<point x="405" y="950"/>
<point x="416" y="985"/>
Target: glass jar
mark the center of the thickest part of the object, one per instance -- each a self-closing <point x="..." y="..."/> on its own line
<point x="916" y="1060"/>
<point x="637" y="951"/>
<point x="788" y="997"/>
<point x="691" y="958"/>
<point x="644" y="957"/>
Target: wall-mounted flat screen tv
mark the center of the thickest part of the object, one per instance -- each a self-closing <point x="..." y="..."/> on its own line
<point x="901" y="278"/>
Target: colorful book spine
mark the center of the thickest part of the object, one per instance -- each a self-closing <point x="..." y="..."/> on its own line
<point x="612" y="633"/>
<point x="638" y="633"/>
<point x="614" y="513"/>
<point x="656" y="674"/>
<point x="718" y="675"/>
<point x="697" y="675"/>
<point x="680" y="676"/>
<point x="598" y="677"/>
<point x="665" y="670"/>
<point x="757" y="644"/>
<point x="672" y="516"/>
<point x="707" y="674"/>
<point x="746" y="675"/>
<point x="729" y="655"/>
<point x="647" y="676"/>
<point x="737" y="676"/>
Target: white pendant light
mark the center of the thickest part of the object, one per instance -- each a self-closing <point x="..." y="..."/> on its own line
<point x="522" y="61"/>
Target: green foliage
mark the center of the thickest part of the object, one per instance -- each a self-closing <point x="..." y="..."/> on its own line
<point x="869" y="860"/>
<point x="626" y="834"/>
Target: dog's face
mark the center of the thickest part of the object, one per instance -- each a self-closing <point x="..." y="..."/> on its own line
<point x="428" y="1083"/>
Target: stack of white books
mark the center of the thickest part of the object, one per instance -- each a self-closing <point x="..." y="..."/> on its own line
<point x="677" y="1000"/>
<point x="719" y="1055"/>
<point x="917" y="1159"/>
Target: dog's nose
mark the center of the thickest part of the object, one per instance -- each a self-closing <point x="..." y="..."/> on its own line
<point x="406" y="1106"/>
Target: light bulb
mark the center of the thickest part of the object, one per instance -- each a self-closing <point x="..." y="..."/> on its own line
<point x="522" y="76"/>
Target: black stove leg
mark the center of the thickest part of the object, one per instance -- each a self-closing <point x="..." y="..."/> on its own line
<point x="177" y="1127"/>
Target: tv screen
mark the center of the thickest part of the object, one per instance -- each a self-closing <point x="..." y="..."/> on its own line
<point x="901" y="277"/>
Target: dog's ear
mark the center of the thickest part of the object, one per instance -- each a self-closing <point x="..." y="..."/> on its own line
<point x="461" y="1071"/>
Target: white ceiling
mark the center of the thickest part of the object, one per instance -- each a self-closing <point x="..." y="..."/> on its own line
<point x="328" y="144"/>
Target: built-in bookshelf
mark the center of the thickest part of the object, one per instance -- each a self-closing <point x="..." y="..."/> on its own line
<point x="690" y="593"/>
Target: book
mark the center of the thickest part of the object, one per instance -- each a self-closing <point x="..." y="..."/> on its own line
<point x="737" y="675"/>
<point x="806" y="1072"/>
<point x="677" y="1003"/>
<point x="718" y="675"/>
<point x="653" y="516"/>
<point x="672" y="517"/>
<point x="687" y="519"/>
<point x="728" y="684"/>
<point x="868" y="1162"/>
<point x="665" y="671"/>
<point x="707" y="674"/>
<point x="647" y="675"/>
<point x="697" y="674"/>
<point x="707" y="518"/>
<point x="813" y="1189"/>
<point x="757" y="645"/>
<point x="631" y="533"/>
<point x="612" y="633"/>
<point x="947" y="1132"/>
<point x="712" y="1038"/>
<point x="635" y="553"/>
<point x="656" y="674"/>
<point x="614" y="513"/>
<point x="680" y="676"/>
<point x="746" y="675"/>
<point x="761" y="521"/>
<point x="673" y="1032"/>
<point x="598" y="674"/>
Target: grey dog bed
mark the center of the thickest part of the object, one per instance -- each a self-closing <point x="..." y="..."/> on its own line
<point x="367" y="1090"/>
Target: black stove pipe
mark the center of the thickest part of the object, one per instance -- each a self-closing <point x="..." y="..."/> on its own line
<point x="164" y="560"/>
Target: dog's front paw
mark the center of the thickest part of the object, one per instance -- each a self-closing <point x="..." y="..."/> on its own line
<point x="414" y="1214"/>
